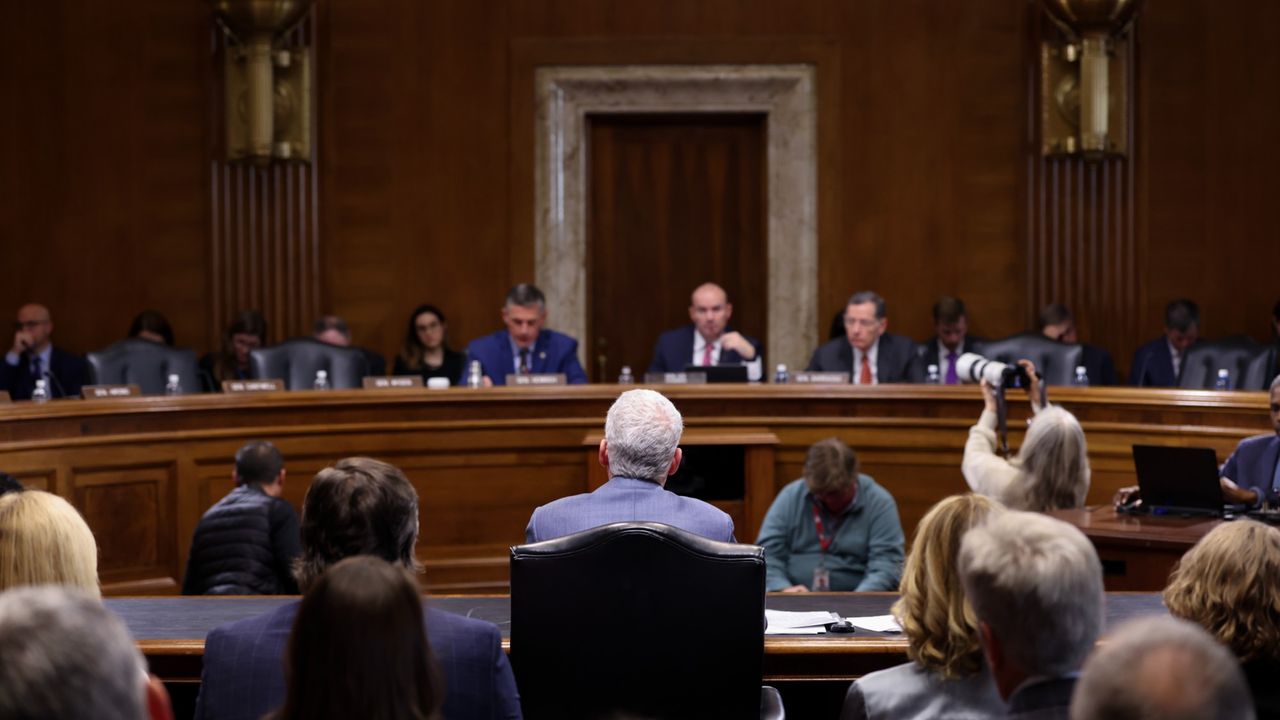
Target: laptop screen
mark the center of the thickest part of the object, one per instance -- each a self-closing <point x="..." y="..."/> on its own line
<point x="1178" y="479"/>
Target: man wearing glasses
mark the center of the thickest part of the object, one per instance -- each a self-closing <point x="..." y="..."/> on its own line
<point x="871" y="355"/>
<point x="34" y="357"/>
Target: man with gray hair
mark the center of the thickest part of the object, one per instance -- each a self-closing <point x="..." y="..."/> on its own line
<point x="525" y="347"/>
<point x="1035" y="585"/>
<point x="1161" y="668"/>
<point x="63" y="656"/>
<point x="871" y="355"/>
<point x="639" y="450"/>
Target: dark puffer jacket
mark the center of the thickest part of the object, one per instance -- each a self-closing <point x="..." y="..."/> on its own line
<point x="244" y="545"/>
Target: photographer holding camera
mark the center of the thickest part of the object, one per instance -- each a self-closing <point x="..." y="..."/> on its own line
<point x="1051" y="469"/>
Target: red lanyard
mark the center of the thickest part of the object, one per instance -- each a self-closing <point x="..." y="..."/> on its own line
<point x="824" y="542"/>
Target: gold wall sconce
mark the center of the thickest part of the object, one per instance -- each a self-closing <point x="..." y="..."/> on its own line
<point x="1084" y="78"/>
<point x="267" y="87"/>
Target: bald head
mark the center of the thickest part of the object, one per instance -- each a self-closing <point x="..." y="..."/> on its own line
<point x="34" y="328"/>
<point x="710" y="310"/>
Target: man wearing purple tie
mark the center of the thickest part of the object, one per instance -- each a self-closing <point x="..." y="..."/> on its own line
<point x="950" y="338"/>
<point x="33" y="357"/>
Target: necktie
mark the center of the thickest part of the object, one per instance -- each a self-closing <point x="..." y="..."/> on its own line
<point x="37" y="371"/>
<point x="706" y="354"/>
<point x="864" y="375"/>
<point x="524" y="362"/>
<point x="952" y="378"/>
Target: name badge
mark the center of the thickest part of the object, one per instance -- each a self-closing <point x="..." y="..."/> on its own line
<point x="676" y="378"/>
<point x="241" y="386"/>
<point x="386" y="383"/>
<point x="537" y="379"/>
<point x="821" y="378"/>
<point x="97" y="392"/>
<point x="821" y="579"/>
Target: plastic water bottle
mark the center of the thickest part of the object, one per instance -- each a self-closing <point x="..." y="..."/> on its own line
<point x="625" y="377"/>
<point x="1224" y="380"/>
<point x="322" y="380"/>
<point x="780" y="375"/>
<point x="40" y="393"/>
<point x="174" y="385"/>
<point x="1082" y="377"/>
<point x="933" y="377"/>
<point x="475" y="378"/>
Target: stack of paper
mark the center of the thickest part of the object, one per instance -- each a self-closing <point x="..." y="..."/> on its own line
<point x="784" y="622"/>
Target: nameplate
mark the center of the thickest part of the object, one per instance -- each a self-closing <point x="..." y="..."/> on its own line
<point x="386" y="383"/>
<point x="239" y="386"/>
<point x="820" y="378"/>
<point x="676" y="378"/>
<point x="97" y="392"/>
<point x="537" y="379"/>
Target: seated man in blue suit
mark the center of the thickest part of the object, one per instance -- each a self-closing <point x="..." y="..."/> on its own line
<point x="524" y="347"/>
<point x="34" y="357"/>
<point x="1159" y="362"/>
<point x="639" y="450"/>
<point x="707" y="340"/>
<point x="871" y="355"/>
<point x="1252" y="474"/>
<point x="358" y="506"/>
<point x="950" y="340"/>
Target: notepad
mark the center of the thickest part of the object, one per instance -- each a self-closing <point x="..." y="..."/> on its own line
<point x="876" y="623"/>
<point x="785" y="622"/>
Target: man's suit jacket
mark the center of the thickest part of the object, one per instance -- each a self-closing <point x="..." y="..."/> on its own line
<point x="1098" y="364"/>
<point x="896" y="359"/>
<point x="243" y="677"/>
<point x="625" y="500"/>
<point x="553" y="352"/>
<point x="69" y="371"/>
<point x="1253" y="464"/>
<point x="1153" y="365"/>
<point x="674" y="350"/>
<point x="929" y="354"/>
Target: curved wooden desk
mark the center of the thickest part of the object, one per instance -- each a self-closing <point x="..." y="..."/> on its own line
<point x="142" y="470"/>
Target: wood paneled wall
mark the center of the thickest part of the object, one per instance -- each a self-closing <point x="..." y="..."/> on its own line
<point x="112" y="197"/>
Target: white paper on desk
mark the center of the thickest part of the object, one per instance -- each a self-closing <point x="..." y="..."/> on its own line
<point x="876" y="623"/>
<point x="785" y="622"/>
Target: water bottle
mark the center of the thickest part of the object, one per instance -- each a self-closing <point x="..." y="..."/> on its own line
<point x="41" y="391"/>
<point x="475" y="378"/>
<point x="322" y="380"/>
<point x="1082" y="377"/>
<point x="934" y="378"/>
<point x="174" y="385"/>
<point x="1224" y="380"/>
<point x="625" y="377"/>
<point x="780" y="375"/>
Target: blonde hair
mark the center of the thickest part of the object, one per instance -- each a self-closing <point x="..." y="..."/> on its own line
<point x="44" y="541"/>
<point x="941" y="629"/>
<point x="1229" y="584"/>
<point x="1053" y="464"/>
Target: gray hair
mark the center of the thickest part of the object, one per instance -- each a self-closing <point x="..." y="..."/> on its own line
<point x="1037" y="583"/>
<point x="526" y="295"/>
<point x="1161" y="668"/>
<point x="867" y="296"/>
<point x="1053" y="463"/>
<point x="643" y="431"/>
<point x="63" y="656"/>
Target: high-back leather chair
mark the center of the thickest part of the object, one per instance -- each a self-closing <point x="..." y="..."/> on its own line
<point x="146" y="364"/>
<point x="1202" y="361"/>
<point x="639" y="618"/>
<point x="1262" y="369"/>
<point x="1055" y="361"/>
<point x="296" y="362"/>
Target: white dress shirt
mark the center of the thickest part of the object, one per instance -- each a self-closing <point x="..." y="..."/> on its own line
<point x="872" y="354"/>
<point x="755" y="367"/>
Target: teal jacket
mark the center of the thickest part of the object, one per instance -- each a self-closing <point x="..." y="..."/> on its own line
<point x="865" y="554"/>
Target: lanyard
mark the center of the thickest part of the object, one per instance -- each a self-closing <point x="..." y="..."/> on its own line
<point x="824" y="542"/>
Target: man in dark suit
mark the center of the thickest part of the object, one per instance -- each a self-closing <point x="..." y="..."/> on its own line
<point x="356" y="507"/>
<point x="1252" y="473"/>
<point x="524" y="347"/>
<point x="334" y="330"/>
<point x="1159" y="362"/>
<point x="1057" y="323"/>
<point x="34" y="357"/>
<point x="950" y="339"/>
<point x="871" y="355"/>
<point x="707" y="340"/>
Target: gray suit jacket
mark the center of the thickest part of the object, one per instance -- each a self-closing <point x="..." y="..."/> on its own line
<point x="910" y="691"/>
<point x="624" y="500"/>
<point x="896" y="361"/>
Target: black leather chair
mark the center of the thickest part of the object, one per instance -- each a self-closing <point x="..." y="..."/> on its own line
<point x="296" y="362"/>
<point x="1056" y="361"/>
<point x="639" y="618"/>
<point x="145" y="364"/>
<point x="1262" y="369"/>
<point x="1202" y="361"/>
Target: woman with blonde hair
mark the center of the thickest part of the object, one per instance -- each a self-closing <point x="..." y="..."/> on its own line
<point x="947" y="676"/>
<point x="44" y="541"/>
<point x="1229" y="584"/>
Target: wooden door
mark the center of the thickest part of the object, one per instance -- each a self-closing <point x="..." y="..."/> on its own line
<point x="675" y="201"/>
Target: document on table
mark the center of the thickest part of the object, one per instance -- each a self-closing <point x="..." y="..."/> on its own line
<point x="875" y="623"/>
<point x="785" y="622"/>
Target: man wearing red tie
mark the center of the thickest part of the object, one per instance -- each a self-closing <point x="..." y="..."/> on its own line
<point x="707" y="340"/>
<point x="871" y="355"/>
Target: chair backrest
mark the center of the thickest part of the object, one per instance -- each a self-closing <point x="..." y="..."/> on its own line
<point x="1055" y="361"/>
<point x="1262" y="369"/>
<point x="296" y="362"/>
<point x="145" y="364"/>
<point x="1202" y="361"/>
<point x="677" y="621"/>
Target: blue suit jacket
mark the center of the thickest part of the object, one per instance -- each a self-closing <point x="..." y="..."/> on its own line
<point x="243" y="677"/>
<point x="553" y="352"/>
<point x="1253" y="465"/>
<point x="69" y="371"/>
<point x="675" y="350"/>
<point x="625" y="500"/>
<point x="1153" y="365"/>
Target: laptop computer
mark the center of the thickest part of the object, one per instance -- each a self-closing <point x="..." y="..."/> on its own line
<point x="1178" y="480"/>
<point x="720" y="373"/>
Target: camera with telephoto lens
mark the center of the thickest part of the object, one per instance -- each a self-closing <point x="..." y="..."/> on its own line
<point x="972" y="368"/>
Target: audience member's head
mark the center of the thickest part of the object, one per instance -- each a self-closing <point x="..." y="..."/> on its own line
<point x="865" y="319"/>
<point x="43" y="540"/>
<point x="151" y="325"/>
<point x="1161" y="668"/>
<point x="831" y="473"/>
<point x="1182" y="323"/>
<point x="1057" y="323"/>
<point x="941" y="630"/>
<point x="524" y="314"/>
<point x="642" y="437"/>
<point x="426" y="333"/>
<point x="1053" y="463"/>
<point x="63" y="656"/>
<point x="358" y="506"/>
<point x="1035" y="585"/>
<point x="359" y="647"/>
<point x="9" y="484"/>
<point x="1229" y="584"/>
<point x="260" y="463"/>
<point x="950" y="321"/>
<point x="333" y="330"/>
